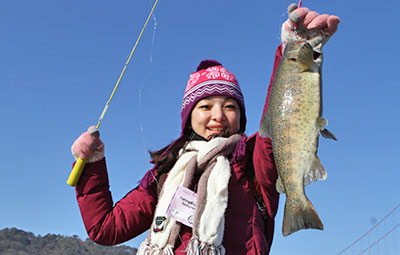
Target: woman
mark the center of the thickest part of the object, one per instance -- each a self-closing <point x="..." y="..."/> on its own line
<point x="211" y="191"/>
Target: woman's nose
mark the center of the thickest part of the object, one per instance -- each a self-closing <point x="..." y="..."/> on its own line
<point x="218" y="114"/>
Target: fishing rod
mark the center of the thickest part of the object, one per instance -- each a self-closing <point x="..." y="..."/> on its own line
<point x="80" y="163"/>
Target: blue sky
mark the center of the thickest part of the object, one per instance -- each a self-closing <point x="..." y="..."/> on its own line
<point x="59" y="61"/>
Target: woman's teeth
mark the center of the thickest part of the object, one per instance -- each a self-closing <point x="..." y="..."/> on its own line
<point x="218" y="129"/>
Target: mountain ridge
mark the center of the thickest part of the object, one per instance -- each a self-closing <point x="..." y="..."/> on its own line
<point x="14" y="241"/>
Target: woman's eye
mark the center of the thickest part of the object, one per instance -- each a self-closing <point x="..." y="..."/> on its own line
<point x="205" y="106"/>
<point x="230" y="106"/>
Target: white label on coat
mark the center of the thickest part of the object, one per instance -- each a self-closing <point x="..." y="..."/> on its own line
<point x="182" y="206"/>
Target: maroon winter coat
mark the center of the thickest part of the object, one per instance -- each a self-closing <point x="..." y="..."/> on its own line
<point x="246" y="233"/>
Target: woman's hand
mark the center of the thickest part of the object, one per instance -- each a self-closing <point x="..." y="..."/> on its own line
<point x="306" y="25"/>
<point x="89" y="146"/>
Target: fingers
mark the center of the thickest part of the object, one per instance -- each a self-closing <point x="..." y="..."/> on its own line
<point x="311" y="20"/>
<point x="89" y="142"/>
<point x="298" y="15"/>
<point x="94" y="132"/>
<point x="328" y="23"/>
<point x="97" y="144"/>
<point x="303" y="24"/>
<point x="291" y="7"/>
<point x="308" y="18"/>
<point x="82" y="146"/>
<point x="318" y="22"/>
<point x="333" y="23"/>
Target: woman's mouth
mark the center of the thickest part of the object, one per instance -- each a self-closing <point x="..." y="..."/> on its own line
<point x="218" y="130"/>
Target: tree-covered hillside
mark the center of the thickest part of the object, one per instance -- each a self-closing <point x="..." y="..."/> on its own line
<point x="18" y="242"/>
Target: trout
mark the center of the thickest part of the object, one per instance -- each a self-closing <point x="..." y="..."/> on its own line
<point x="293" y="121"/>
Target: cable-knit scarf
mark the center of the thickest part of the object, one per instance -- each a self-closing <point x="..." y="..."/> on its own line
<point x="208" y="158"/>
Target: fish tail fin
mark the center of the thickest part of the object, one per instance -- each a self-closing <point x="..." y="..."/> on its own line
<point x="300" y="216"/>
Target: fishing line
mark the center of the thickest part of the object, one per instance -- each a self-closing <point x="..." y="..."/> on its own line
<point x="126" y="64"/>
<point x="153" y="39"/>
<point x="143" y="84"/>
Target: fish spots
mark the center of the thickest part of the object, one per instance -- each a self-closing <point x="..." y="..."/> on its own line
<point x="291" y="140"/>
<point x="293" y="107"/>
<point x="289" y="187"/>
<point x="296" y="204"/>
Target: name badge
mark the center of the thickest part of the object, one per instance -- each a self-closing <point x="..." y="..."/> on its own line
<point x="182" y="206"/>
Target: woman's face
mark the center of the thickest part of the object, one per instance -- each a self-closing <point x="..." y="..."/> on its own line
<point x="216" y="116"/>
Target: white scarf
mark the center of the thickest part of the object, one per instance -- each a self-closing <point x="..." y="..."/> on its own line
<point x="210" y="227"/>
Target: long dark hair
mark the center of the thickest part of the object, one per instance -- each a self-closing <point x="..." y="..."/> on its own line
<point x="164" y="159"/>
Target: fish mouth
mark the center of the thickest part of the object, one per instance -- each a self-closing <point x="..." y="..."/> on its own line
<point x="316" y="54"/>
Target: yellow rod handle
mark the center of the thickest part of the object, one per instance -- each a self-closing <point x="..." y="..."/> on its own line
<point x="76" y="172"/>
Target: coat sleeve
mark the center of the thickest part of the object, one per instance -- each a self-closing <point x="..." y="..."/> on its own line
<point x="109" y="224"/>
<point x="264" y="165"/>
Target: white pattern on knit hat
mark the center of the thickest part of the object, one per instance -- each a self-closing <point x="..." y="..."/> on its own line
<point x="211" y="82"/>
<point x="219" y="87"/>
<point x="194" y="77"/>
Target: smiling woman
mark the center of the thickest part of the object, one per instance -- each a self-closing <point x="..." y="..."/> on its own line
<point x="229" y="177"/>
<point x="214" y="161"/>
<point x="216" y="116"/>
<point x="207" y="107"/>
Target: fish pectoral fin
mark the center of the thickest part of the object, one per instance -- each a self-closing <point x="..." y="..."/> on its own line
<point x="315" y="172"/>
<point x="321" y="124"/>
<point x="279" y="186"/>
<point x="327" y="134"/>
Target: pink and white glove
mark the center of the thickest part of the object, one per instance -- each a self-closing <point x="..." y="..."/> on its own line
<point x="89" y="146"/>
<point x="306" y="25"/>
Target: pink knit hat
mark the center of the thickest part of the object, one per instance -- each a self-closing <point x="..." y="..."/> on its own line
<point x="211" y="79"/>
